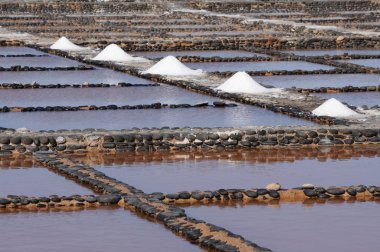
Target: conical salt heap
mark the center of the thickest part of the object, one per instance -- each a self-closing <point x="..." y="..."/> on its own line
<point x="64" y="44"/>
<point x="334" y="108"/>
<point x="114" y="53"/>
<point x="241" y="82"/>
<point x="170" y="65"/>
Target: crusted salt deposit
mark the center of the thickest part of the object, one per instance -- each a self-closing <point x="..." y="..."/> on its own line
<point x="334" y="108"/>
<point x="114" y="53"/>
<point x="65" y="45"/>
<point x="170" y="65"/>
<point x="241" y="82"/>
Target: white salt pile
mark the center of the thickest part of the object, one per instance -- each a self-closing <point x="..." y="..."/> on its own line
<point x="334" y="108"/>
<point x="170" y="65"/>
<point x="65" y="45"/>
<point x="114" y="53"/>
<point x="241" y="82"/>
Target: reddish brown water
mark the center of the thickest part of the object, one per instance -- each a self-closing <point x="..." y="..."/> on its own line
<point x="36" y="181"/>
<point x="95" y="230"/>
<point x="247" y="170"/>
<point x="348" y="227"/>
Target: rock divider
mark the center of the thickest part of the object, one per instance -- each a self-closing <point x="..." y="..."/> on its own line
<point x="346" y="89"/>
<point x="216" y="104"/>
<point x="306" y="192"/>
<point x="185" y="139"/>
<point x="29" y="68"/>
<point x="35" y="85"/>
<point x="174" y="218"/>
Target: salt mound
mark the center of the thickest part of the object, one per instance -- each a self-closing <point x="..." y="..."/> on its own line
<point x="241" y="82"/>
<point x="114" y="53"/>
<point x="334" y="108"/>
<point x="65" y="45"/>
<point x="170" y="65"/>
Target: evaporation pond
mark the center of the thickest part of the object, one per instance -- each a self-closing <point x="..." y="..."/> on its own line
<point x="48" y="61"/>
<point x="100" y="75"/>
<point x="95" y="230"/>
<point x="100" y="96"/>
<point x="348" y="227"/>
<point x="36" y="181"/>
<point x="357" y="98"/>
<point x="7" y="50"/>
<point x="320" y="80"/>
<point x="364" y="62"/>
<point x="242" y="115"/>
<point x="204" y="54"/>
<point x="333" y="52"/>
<point x="258" y="66"/>
<point x="181" y="173"/>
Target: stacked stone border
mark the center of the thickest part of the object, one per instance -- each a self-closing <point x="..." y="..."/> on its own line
<point x="158" y="105"/>
<point x="83" y="85"/>
<point x="174" y="218"/>
<point x="186" y="139"/>
<point x="19" y="68"/>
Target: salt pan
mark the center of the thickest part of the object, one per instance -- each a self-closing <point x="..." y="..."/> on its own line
<point x="65" y="45"/>
<point x="241" y="82"/>
<point x="334" y="108"/>
<point x="170" y="65"/>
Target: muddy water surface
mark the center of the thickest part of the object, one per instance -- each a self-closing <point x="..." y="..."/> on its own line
<point x="36" y="181"/>
<point x="205" y="54"/>
<point x="95" y="230"/>
<point x="258" y="66"/>
<point x="365" y="62"/>
<point x="321" y="80"/>
<point x="49" y="61"/>
<point x="214" y="171"/>
<point x="242" y="115"/>
<point x="8" y="50"/>
<point x="100" y="96"/>
<point x="101" y="75"/>
<point x="332" y="52"/>
<point x="348" y="227"/>
<point x="356" y="99"/>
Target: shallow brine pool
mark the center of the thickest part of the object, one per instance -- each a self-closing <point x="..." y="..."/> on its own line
<point x="96" y="230"/>
<point x="364" y="62"/>
<point x="320" y="80"/>
<point x="286" y="227"/>
<point x="50" y="61"/>
<point x="205" y="54"/>
<point x="36" y="181"/>
<point x="242" y="115"/>
<point x="356" y="99"/>
<point x="254" y="169"/>
<point x="258" y="66"/>
<point x="333" y="52"/>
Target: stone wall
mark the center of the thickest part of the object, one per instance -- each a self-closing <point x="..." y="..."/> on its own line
<point x="186" y="139"/>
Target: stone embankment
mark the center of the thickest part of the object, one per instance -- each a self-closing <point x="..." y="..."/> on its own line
<point x="186" y="139"/>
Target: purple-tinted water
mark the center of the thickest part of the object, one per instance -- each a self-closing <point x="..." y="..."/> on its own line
<point x="95" y="230"/>
<point x="364" y="62"/>
<point x="242" y="115"/>
<point x="295" y="227"/>
<point x="205" y="54"/>
<point x="332" y="52"/>
<point x="50" y="61"/>
<point x="37" y="182"/>
<point x="100" y="75"/>
<point x="8" y="50"/>
<point x="258" y="66"/>
<point x="174" y="175"/>
<point x="100" y="96"/>
<point x="320" y="80"/>
<point x="356" y="99"/>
